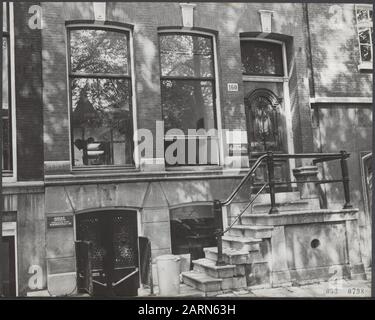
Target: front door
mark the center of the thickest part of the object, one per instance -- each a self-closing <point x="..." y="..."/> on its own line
<point x="114" y="251"/>
<point x="266" y="132"/>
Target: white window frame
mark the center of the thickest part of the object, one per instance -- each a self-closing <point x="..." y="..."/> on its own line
<point x="364" y="65"/>
<point x="217" y="98"/>
<point x="134" y="96"/>
<point x="12" y="96"/>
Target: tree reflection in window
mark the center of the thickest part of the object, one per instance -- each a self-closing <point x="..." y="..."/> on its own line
<point x="6" y="107"/>
<point x="101" y="118"/>
<point x="187" y="83"/>
<point x="365" y="33"/>
<point x="261" y="58"/>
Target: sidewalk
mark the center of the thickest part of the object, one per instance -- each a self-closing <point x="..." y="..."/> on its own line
<point x="341" y="288"/>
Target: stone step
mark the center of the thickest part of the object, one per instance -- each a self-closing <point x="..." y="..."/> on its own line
<point x="257" y="232"/>
<point x="281" y="206"/>
<point x="210" y="268"/>
<point x="234" y="257"/>
<point x="201" y="281"/>
<point x="280" y="197"/>
<point x="241" y="243"/>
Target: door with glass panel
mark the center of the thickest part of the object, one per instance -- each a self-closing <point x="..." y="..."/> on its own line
<point x="114" y="251"/>
<point x="263" y="74"/>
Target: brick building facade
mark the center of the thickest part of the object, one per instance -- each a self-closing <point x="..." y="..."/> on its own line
<point x="323" y="89"/>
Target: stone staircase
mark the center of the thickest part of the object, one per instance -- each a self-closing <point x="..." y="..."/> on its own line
<point x="246" y="250"/>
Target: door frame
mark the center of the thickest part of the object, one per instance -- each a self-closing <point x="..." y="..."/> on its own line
<point x="365" y="155"/>
<point x="139" y="225"/>
<point x="286" y="96"/>
<point x="9" y="229"/>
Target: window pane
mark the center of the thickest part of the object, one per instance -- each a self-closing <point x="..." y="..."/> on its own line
<point x="5" y="20"/>
<point x="366" y="53"/>
<point x="362" y="15"/>
<point x="102" y="122"/>
<point x="5" y="84"/>
<point x="187" y="104"/>
<point x="186" y="55"/>
<point x="7" y="152"/>
<point x="364" y="36"/>
<point x="261" y="58"/>
<point x="196" y="151"/>
<point x="99" y="51"/>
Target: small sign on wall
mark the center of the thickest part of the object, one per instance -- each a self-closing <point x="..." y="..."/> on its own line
<point x="233" y="87"/>
<point x="59" y="221"/>
<point x="238" y="149"/>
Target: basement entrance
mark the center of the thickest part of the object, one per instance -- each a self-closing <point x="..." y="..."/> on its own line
<point x="107" y="253"/>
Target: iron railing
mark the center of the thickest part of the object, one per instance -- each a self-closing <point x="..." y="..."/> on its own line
<point x="270" y="157"/>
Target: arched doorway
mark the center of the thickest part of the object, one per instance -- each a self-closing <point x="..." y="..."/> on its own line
<point x="266" y="130"/>
<point x="111" y="251"/>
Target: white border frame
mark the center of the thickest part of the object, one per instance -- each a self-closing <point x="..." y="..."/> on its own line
<point x="13" y="177"/>
<point x="287" y="105"/>
<point x="217" y="85"/>
<point x="100" y="25"/>
<point x="9" y="229"/>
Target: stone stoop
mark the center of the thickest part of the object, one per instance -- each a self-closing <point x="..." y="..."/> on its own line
<point x="257" y="232"/>
<point x="246" y="250"/>
<point x="241" y="243"/>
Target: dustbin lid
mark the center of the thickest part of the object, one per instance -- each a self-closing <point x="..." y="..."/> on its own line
<point x="168" y="257"/>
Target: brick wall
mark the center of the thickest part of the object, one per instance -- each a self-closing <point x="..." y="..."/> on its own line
<point x="225" y="20"/>
<point x="28" y="81"/>
<point x="335" y="52"/>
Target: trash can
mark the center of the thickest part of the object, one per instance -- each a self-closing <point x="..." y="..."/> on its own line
<point x="168" y="269"/>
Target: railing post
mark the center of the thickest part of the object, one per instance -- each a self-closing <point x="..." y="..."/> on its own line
<point x="271" y="182"/>
<point x="345" y="179"/>
<point x="217" y="210"/>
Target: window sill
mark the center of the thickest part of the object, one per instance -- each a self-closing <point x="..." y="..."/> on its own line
<point x="365" y="66"/>
<point x="194" y="168"/>
<point x="136" y="175"/>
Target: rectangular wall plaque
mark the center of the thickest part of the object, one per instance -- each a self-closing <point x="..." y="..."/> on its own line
<point x="59" y="221"/>
<point x="233" y="87"/>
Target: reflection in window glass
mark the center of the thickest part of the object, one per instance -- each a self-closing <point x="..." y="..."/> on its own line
<point x="6" y="106"/>
<point x="98" y="51"/>
<point x="5" y="16"/>
<point x="187" y="92"/>
<point x="186" y="55"/>
<point x="101" y="117"/>
<point x="261" y="58"/>
<point x="365" y="33"/>
<point x="187" y="104"/>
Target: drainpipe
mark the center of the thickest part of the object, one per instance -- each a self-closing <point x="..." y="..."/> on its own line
<point x="1" y="159"/>
<point x="310" y="71"/>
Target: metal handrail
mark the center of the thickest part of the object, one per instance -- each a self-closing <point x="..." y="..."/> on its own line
<point x="271" y="157"/>
<point x="239" y="186"/>
<point x="244" y="209"/>
<point x="320" y="157"/>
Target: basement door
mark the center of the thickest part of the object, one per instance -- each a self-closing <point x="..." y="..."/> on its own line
<point x="114" y="251"/>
